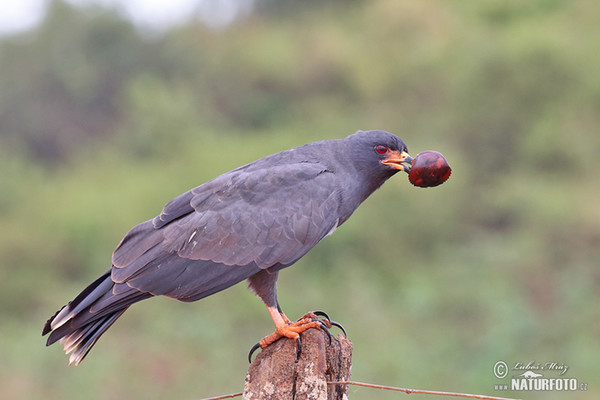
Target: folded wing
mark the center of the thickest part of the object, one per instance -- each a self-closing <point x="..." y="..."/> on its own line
<point x="224" y="231"/>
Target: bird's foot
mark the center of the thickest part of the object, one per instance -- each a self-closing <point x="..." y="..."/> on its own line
<point x="329" y="322"/>
<point x="293" y="330"/>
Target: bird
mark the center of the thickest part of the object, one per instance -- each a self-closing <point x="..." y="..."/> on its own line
<point x="247" y="224"/>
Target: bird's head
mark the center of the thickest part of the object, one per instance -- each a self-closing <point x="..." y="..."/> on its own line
<point x="380" y="152"/>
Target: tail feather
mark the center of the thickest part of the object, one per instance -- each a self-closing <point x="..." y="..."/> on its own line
<point x="84" y="299"/>
<point x="81" y="341"/>
<point x="90" y="294"/>
<point x="79" y="324"/>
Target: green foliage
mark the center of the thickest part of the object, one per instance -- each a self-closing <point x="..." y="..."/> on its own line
<point x="100" y="126"/>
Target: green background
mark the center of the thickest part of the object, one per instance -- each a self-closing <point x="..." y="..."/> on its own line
<point x="101" y="124"/>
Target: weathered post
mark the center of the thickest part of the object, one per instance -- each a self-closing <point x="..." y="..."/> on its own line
<point x="275" y="375"/>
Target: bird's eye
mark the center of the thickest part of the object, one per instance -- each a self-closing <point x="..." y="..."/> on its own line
<point x="381" y="149"/>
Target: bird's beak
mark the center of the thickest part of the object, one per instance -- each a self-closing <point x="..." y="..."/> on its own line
<point x="398" y="160"/>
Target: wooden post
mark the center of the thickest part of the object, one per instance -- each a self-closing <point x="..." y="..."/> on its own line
<point x="274" y="374"/>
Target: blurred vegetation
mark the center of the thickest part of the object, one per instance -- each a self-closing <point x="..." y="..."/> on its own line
<point x="100" y="125"/>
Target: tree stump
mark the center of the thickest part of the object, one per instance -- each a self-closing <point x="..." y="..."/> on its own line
<point x="275" y="375"/>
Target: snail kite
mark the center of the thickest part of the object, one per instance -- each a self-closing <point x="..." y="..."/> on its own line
<point x="248" y="223"/>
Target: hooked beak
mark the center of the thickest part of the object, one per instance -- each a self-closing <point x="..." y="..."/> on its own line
<point x="398" y="160"/>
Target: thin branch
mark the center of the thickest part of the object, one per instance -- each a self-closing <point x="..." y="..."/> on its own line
<point x="382" y="387"/>
<point x="225" y="396"/>
<point x="418" y="391"/>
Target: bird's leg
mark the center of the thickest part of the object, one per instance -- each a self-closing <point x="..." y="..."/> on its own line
<point x="285" y="328"/>
<point x="285" y="318"/>
<point x="263" y="283"/>
<point x="314" y="315"/>
<point x="326" y="321"/>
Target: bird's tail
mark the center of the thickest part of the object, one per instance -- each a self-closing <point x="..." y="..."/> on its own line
<point x="79" y="324"/>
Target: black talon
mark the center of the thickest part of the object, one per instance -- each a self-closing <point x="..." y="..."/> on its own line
<point x="333" y="323"/>
<point x="326" y="329"/>
<point x="298" y="349"/>
<point x="322" y="314"/>
<point x="252" y="350"/>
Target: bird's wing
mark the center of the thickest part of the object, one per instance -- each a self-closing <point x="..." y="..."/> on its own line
<point x="229" y="228"/>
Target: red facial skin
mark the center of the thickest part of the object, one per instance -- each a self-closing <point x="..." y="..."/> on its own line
<point x="429" y="169"/>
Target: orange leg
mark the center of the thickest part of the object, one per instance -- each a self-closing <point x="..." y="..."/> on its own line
<point x="285" y="328"/>
<point x="285" y="318"/>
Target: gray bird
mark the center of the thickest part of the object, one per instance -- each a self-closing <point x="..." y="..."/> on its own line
<point x="248" y="223"/>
